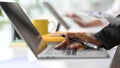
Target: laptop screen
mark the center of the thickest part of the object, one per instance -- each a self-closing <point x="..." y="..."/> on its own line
<point x="22" y="24"/>
<point x="57" y="16"/>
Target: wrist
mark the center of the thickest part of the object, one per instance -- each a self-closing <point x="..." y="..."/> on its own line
<point x="97" y="41"/>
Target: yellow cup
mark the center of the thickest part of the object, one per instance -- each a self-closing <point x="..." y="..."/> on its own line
<point x="41" y="25"/>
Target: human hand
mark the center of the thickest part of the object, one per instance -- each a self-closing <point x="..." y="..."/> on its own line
<point x="79" y="35"/>
<point x="74" y="17"/>
<point x="77" y="19"/>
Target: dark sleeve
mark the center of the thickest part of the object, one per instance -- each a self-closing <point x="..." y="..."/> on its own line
<point x="110" y="35"/>
<point x="118" y="16"/>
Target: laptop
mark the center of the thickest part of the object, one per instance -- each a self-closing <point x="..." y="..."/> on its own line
<point x="57" y="16"/>
<point x="35" y="42"/>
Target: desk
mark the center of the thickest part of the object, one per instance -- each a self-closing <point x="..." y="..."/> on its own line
<point x="21" y="62"/>
<point x="78" y="63"/>
<point x="22" y="57"/>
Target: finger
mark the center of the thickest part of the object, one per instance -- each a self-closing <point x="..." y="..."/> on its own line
<point x="70" y="35"/>
<point x="82" y="35"/>
<point x="63" y="44"/>
<point x="69" y="14"/>
<point x="86" y="37"/>
<point x="72" y="15"/>
<point x="76" y="45"/>
<point x="66" y="42"/>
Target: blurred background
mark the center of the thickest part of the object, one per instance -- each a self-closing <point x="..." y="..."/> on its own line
<point x="34" y="9"/>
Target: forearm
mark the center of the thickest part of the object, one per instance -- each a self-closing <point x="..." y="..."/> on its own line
<point x="93" y="23"/>
<point x="110" y="35"/>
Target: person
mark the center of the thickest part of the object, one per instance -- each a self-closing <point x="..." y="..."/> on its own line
<point x="113" y="11"/>
<point x="107" y="38"/>
<point x="78" y="20"/>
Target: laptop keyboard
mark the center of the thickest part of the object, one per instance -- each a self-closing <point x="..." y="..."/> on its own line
<point x="65" y="52"/>
<point x="62" y="51"/>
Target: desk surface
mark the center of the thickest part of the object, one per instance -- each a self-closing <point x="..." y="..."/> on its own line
<point x="20" y="62"/>
<point x="21" y="57"/>
<point x="80" y="63"/>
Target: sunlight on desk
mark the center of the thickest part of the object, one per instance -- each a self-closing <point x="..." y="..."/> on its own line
<point x="5" y="54"/>
<point x="21" y="62"/>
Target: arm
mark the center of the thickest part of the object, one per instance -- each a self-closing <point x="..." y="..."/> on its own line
<point x="77" y="19"/>
<point x="110" y="35"/>
<point x="93" y="23"/>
